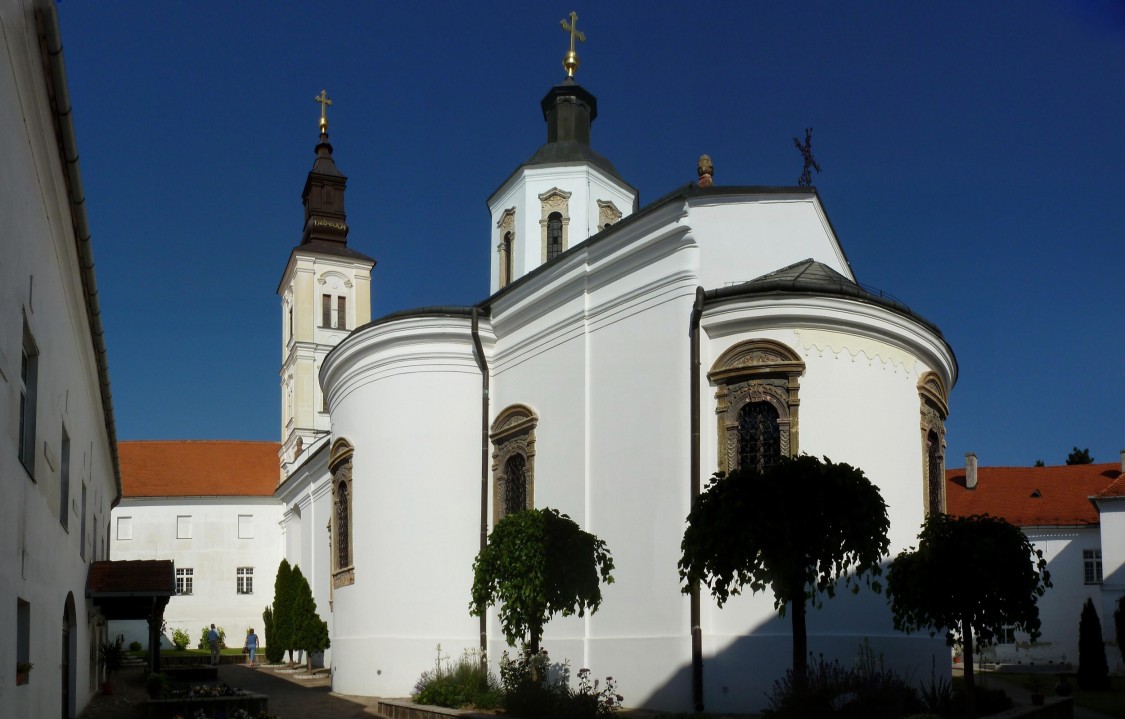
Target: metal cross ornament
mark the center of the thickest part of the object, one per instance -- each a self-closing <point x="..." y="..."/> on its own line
<point x="810" y="162"/>
<point x="570" y="61"/>
<point x="324" y="101"/>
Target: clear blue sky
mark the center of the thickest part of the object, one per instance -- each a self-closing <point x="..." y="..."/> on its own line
<point x="973" y="161"/>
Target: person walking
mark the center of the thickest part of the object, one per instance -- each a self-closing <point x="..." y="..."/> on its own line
<point x="213" y="640"/>
<point x="251" y="646"/>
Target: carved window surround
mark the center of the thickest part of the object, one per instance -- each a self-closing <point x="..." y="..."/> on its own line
<point x="554" y="200"/>
<point x="507" y="246"/>
<point x="934" y="408"/>
<point x="608" y="214"/>
<point x="756" y="371"/>
<point x="513" y="432"/>
<point x="343" y="511"/>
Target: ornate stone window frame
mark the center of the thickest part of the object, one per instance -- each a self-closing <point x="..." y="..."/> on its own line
<point x="506" y="249"/>
<point x="756" y="371"/>
<point x="933" y="401"/>
<point x="512" y="432"/>
<point x="608" y="214"/>
<point x="343" y="511"/>
<point x="554" y="200"/>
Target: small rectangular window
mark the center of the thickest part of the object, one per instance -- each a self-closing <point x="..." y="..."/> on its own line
<point x="1007" y="634"/>
<point x="29" y="380"/>
<point x="183" y="526"/>
<point x="326" y="310"/>
<point x="82" y="536"/>
<point x="64" y="481"/>
<point x="23" y="636"/>
<point x="245" y="580"/>
<point x="124" y="528"/>
<point x="245" y="526"/>
<point x="184" y="579"/>
<point x="342" y="313"/>
<point x="1092" y="565"/>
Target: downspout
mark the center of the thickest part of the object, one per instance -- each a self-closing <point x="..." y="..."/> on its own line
<point x="482" y="363"/>
<point x="68" y="149"/>
<point x="696" y="630"/>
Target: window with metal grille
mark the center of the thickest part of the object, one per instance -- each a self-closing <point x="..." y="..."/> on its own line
<point x="936" y="475"/>
<point x="554" y="235"/>
<point x="759" y="435"/>
<point x="1092" y="565"/>
<point x="515" y="484"/>
<point x="184" y="579"/>
<point x="343" y="523"/>
<point x="245" y="579"/>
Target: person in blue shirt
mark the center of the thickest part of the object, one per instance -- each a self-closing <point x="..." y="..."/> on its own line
<point x="251" y="646"/>
<point x="213" y="640"/>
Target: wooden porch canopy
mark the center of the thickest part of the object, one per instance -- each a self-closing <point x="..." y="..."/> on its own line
<point x="136" y="589"/>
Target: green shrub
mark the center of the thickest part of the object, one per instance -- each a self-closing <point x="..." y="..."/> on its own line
<point x="156" y="683"/>
<point x="135" y="646"/>
<point x="204" y="644"/>
<point x="464" y="683"/>
<point x="530" y="692"/>
<point x="180" y="639"/>
<point x="869" y="691"/>
<point x="1093" y="669"/>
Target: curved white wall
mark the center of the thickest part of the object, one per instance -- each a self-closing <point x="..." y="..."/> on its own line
<point x="416" y="498"/>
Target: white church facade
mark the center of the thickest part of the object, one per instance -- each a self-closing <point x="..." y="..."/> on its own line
<point x="625" y="354"/>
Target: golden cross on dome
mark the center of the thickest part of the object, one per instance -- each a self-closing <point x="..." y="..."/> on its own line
<point x="570" y="61"/>
<point x="324" y="101"/>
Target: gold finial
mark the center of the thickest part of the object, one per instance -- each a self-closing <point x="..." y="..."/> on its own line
<point x="570" y="61"/>
<point x="706" y="170"/>
<point x="324" y="101"/>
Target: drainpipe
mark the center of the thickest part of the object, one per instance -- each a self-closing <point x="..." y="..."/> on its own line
<point x="696" y="630"/>
<point x="482" y="363"/>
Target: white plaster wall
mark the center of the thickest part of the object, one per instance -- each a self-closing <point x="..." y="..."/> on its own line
<point x="747" y="236"/>
<point x="1112" y="515"/>
<point x="416" y="498"/>
<point x="214" y="552"/>
<point x="40" y="280"/>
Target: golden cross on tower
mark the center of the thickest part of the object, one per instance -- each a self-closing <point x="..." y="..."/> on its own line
<point x="324" y="101"/>
<point x="570" y="61"/>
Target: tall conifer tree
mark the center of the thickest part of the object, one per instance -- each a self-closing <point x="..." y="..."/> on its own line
<point x="283" y="608"/>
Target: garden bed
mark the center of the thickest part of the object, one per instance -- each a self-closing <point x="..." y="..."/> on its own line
<point x="253" y="704"/>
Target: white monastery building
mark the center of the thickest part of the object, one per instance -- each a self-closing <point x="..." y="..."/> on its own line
<point x="625" y="354"/>
<point x="58" y="460"/>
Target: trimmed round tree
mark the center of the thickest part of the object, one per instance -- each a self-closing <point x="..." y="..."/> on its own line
<point x="969" y="577"/>
<point x="742" y="534"/>
<point x="539" y="563"/>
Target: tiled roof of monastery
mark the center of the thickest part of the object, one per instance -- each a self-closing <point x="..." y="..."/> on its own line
<point x="199" y="468"/>
<point x="1034" y="496"/>
<point x="134" y="577"/>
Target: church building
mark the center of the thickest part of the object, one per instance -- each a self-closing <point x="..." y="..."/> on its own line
<point x="626" y="353"/>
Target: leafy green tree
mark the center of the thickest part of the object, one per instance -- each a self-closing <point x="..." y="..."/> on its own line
<point x="741" y="533"/>
<point x="1039" y="463"/>
<point x="1093" y="669"/>
<point x="969" y="577"/>
<point x="310" y="631"/>
<point x="283" y="625"/>
<point x="1080" y="456"/>
<point x="539" y="563"/>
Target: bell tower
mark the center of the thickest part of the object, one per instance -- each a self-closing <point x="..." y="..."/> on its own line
<point x="325" y="293"/>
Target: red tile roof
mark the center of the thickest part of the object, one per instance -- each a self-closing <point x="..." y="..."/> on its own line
<point x="1115" y="489"/>
<point x="1033" y="496"/>
<point x="197" y="468"/>
<point x="155" y="577"/>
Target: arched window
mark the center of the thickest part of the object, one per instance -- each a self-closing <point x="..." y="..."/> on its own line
<point x="513" y="461"/>
<point x="343" y="501"/>
<point x="509" y="260"/>
<point x="515" y="484"/>
<point x="554" y="235"/>
<point x="756" y="387"/>
<point x="934" y="407"/>
<point x="554" y="222"/>
<point x="759" y="435"/>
